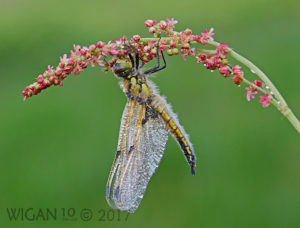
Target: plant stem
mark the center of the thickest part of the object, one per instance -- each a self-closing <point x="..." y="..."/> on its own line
<point x="282" y="105"/>
<point x="279" y="102"/>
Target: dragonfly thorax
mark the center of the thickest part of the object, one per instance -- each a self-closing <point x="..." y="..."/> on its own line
<point x="137" y="87"/>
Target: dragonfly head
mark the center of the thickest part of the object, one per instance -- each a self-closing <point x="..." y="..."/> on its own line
<point x="121" y="67"/>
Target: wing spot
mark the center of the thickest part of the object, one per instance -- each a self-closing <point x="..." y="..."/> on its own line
<point x="118" y="153"/>
<point x="131" y="149"/>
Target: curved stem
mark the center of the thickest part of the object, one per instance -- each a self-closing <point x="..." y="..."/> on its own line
<point x="282" y="105"/>
<point x="279" y="103"/>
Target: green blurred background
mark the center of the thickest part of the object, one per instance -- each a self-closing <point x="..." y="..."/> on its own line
<point x="57" y="148"/>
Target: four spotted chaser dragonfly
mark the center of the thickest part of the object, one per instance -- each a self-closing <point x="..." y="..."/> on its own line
<point x="146" y="123"/>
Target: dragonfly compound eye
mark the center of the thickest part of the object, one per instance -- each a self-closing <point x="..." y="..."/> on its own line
<point x="121" y="67"/>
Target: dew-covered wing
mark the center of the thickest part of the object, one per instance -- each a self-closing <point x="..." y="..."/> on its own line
<point x="142" y="142"/>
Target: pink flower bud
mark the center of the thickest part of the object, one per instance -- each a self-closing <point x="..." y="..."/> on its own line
<point x="68" y="69"/>
<point x="61" y="65"/>
<point x="149" y="23"/>
<point x="152" y="30"/>
<point x="265" y="100"/>
<point x="172" y="43"/>
<point x="222" y="49"/>
<point x="223" y="70"/>
<point x="237" y="79"/>
<point x="56" y="81"/>
<point x="84" y="65"/>
<point x="100" y="44"/>
<point x="236" y="68"/>
<point x="250" y="93"/>
<point x="92" y="47"/>
<point x="257" y="82"/>
<point x="197" y="38"/>
<point x="164" y="41"/>
<point x="136" y="38"/>
<point x="51" y="78"/>
<point x="146" y="49"/>
<point x="188" y="31"/>
<point x="71" y="62"/>
<point x="40" y="79"/>
<point x="45" y="83"/>
<point x="203" y="56"/>
<point x="57" y="73"/>
<point x="83" y="51"/>
<point x="163" y="25"/>
<point x="162" y="47"/>
<point x="39" y="86"/>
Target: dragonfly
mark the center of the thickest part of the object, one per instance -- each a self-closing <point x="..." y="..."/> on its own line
<point x="146" y="123"/>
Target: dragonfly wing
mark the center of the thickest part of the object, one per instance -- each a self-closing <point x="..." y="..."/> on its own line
<point x="121" y="150"/>
<point x="141" y="150"/>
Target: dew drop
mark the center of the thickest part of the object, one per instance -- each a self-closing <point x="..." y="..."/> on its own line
<point x="271" y="93"/>
<point x="239" y="85"/>
<point x="267" y="87"/>
<point x="253" y="71"/>
<point x="278" y="102"/>
<point x="211" y="70"/>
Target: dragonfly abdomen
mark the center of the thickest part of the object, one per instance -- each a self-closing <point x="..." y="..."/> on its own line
<point x="176" y="130"/>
